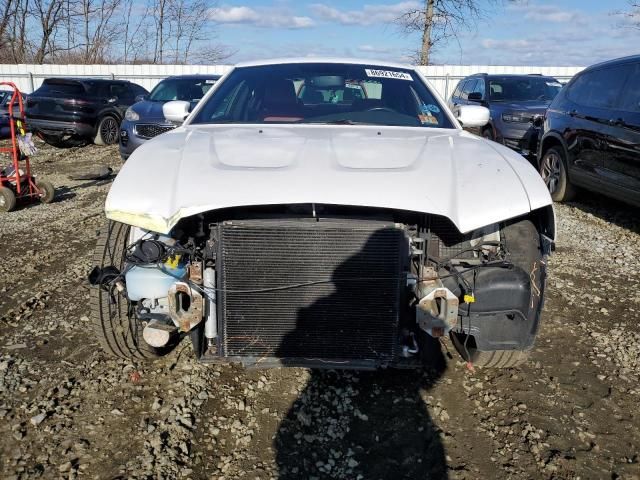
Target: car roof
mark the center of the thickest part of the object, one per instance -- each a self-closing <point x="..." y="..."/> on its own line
<point x="510" y="75"/>
<point x="355" y="61"/>
<point x="88" y="79"/>
<point x="196" y="76"/>
<point x="615" y="61"/>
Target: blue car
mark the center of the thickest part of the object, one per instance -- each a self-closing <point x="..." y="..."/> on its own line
<point x="515" y="102"/>
<point x="145" y="120"/>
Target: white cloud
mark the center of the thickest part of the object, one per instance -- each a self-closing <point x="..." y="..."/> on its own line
<point x="547" y="13"/>
<point x="368" y="15"/>
<point x="259" y="17"/>
<point x="374" y="49"/>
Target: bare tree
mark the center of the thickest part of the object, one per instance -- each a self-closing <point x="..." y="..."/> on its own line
<point x="5" y="15"/>
<point x="632" y="15"/>
<point x="49" y="14"/>
<point x="99" y="30"/>
<point x="92" y="31"/>
<point x="440" y="20"/>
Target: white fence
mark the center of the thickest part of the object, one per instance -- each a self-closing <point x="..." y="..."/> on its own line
<point x="443" y="78"/>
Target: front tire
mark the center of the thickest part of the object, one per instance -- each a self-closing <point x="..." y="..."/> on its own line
<point x="553" y="170"/>
<point x="107" y="131"/>
<point x="114" y="323"/>
<point x="491" y="359"/>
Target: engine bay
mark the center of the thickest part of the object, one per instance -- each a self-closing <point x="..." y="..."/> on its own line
<point x="331" y="286"/>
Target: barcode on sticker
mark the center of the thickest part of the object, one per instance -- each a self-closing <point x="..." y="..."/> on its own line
<point x="388" y="74"/>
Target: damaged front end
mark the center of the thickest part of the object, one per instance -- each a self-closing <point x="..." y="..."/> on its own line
<point x="330" y="286"/>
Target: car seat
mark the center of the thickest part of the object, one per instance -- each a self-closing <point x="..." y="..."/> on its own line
<point x="280" y="103"/>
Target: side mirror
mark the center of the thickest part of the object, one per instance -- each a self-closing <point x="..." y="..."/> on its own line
<point x="473" y="116"/>
<point x="176" y="111"/>
<point x="140" y="98"/>
<point x="475" y="97"/>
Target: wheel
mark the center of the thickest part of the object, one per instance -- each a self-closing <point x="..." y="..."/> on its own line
<point x="47" y="191"/>
<point x="7" y="199"/>
<point x="491" y="359"/>
<point x="553" y="170"/>
<point x="525" y="253"/>
<point x="488" y="133"/>
<point x="114" y="323"/>
<point x="107" y="131"/>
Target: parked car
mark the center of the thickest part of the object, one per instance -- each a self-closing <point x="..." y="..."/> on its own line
<point x="591" y="133"/>
<point x="145" y="120"/>
<point x="514" y="101"/>
<point x="5" y="131"/>
<point x="70" y="112"/>
<point x="277" y="229"/>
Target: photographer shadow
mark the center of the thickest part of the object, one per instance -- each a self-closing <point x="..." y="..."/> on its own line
<point x="351" y="424"/>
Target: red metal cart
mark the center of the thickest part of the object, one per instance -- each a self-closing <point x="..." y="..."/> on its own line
<point x="16" y="183"/>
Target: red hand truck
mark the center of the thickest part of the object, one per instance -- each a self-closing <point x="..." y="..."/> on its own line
<point x="17" y="184"/>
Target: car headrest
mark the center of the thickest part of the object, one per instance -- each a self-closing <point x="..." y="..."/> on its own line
<point x="280" y="92"/>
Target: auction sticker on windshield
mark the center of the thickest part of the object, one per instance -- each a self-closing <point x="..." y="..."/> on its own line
<point x="388" y="74"/>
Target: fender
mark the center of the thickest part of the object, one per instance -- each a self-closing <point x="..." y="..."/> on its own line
<point x="114" y="112"/>
<point x="557" y="136"/>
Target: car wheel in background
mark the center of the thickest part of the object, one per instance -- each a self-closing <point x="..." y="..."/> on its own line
<point x="47" y="192"/>
<point x="553" y="170"/>
<point x="7" y="199"/>
<point x="107" y="131"/>
<point x="488" y="134"/>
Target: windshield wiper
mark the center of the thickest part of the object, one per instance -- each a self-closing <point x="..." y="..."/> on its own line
<point x="341" y="121"/>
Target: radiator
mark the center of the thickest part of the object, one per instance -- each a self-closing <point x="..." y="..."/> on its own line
<point x="345" y="306"/>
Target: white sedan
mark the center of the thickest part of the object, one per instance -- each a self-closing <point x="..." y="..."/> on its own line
<point x="323" y="213"/>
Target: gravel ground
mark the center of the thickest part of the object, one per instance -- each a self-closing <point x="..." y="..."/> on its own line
<point x="69" y="411"/>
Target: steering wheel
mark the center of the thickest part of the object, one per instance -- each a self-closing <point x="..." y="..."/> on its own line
<point x="381" y="109"/>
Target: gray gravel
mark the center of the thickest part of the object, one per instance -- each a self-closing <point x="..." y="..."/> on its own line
<point x="69" y="411"/>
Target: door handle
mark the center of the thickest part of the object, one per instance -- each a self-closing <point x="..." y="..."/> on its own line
<point x="572" y="113"/>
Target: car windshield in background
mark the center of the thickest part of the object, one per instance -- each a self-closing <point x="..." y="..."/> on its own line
<point x="325" y="94"/>
<point x="519" y="89"/>
<point x="187" y="89"/>
<point x="61" y="86"/>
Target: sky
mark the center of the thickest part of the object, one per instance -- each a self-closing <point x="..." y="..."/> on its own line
<point x="516" y="32"/>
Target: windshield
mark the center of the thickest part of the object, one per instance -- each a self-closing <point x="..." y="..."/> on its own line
<point x="523" y="88"/>
<point x="188" y="89"/>
<point x="324" y="93"/>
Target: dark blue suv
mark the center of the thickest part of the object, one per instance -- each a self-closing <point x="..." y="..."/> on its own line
<point x="145" y="120"/>
<point x="515" y="101"/>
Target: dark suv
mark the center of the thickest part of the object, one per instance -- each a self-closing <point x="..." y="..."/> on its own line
<point x="69" y="112"/>
<point x="591" y="133"/>
<point x="514" y="102"/>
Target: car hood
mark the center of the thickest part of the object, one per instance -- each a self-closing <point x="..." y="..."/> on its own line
<point x="449" y="172"/>
<point x="149" y="110"/>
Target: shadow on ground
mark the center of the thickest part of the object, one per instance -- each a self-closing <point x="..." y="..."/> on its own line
<point x="354" y="424"/>
<point x="608" y="209"/>
<point x="369" y="425"/>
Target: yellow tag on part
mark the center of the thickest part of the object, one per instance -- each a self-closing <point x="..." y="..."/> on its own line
<point x="469" y="299"/>
<point x="173" y="262"/>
